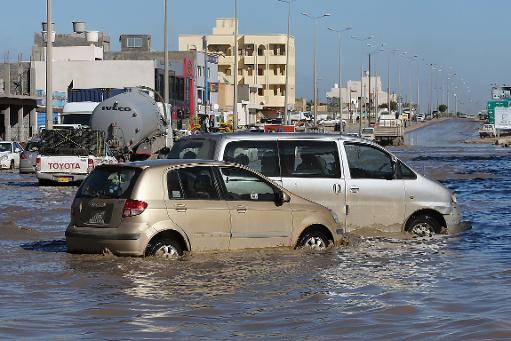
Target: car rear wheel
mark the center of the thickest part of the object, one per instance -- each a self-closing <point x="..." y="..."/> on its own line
<point x="423" y="226"/>
<point x="11" y="167"/>
<point x="314" y="241"/>
<point x="165" y="248"/>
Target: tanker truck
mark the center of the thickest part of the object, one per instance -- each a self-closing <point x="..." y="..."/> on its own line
<point x="136" y="126"/>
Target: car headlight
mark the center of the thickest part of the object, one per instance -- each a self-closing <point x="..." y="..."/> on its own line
<point x="4" y="157"/>
<point x="335" y="217"/>
<point x="453" y="199"/>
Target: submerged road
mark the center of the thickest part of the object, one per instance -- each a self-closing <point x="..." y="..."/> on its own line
<point x="445" y="288"/>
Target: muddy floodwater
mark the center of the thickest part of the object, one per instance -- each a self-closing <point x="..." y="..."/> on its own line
<point x="377" y="288"/>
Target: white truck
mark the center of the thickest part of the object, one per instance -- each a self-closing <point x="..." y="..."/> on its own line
<point x="69" y="156"/>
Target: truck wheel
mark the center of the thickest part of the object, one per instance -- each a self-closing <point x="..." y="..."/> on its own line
<point x="11" y="167"/>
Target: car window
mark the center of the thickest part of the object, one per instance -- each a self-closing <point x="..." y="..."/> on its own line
<point x="405" y="172"/>
<point x="5" y="147"/>
<point x="193" y="183"/>
<point x="309" y="159"/>
<point x="192" y="148"/>
<point x="241" y="184"/>
<point x="261" y="156"/>
<point x="368" y="162"/>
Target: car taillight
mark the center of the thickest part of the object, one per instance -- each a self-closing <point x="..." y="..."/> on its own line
<point x="133" y="208"/>
<point x="90" y="165"/>
<point x="23" y="156"/>
<point x="38" y="163"/>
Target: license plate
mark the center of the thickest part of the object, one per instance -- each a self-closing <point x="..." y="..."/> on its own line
<point x="64" y="179"/>
<point x="98" y="218"/>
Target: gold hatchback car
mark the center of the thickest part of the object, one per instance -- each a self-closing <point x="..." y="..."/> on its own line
<point x="166" y="207"/>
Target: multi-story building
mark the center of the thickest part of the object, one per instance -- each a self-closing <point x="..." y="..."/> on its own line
<point x="356" y="93"/>
<point x="261" y="67"/>
<point x="83" y="60"/>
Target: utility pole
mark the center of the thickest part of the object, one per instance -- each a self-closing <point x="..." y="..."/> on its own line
<point x="287" y="117"/>
<point x="49" y="66"/>
<point x="315" y="81"/>
<point x="166" y="56"/>
<point x="235" y="100"/>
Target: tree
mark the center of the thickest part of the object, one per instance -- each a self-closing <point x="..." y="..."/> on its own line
<point x="442" y="108"/>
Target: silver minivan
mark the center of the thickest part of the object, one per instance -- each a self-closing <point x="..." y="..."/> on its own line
<point x="364" y="184"/>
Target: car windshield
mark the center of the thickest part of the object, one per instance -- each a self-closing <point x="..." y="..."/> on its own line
<point x="5" y="147"/>
<point x="33" y="146"/>
<point x="109" y="182"/>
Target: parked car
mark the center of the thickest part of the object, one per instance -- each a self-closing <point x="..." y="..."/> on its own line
<point x="29" y="155"/>
<point x="165" y="207"/>
<point x="368" y="133"/>
<point x="421" y="117"/>
<point x="487" y="130"/>
<point x="10" y="154"/>
<point x="364" y="184"/>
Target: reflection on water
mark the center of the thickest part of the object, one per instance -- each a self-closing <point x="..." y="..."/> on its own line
<point x="446" y="288"/>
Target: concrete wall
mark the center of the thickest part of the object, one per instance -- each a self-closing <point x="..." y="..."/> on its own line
<point x="96" y="74"/>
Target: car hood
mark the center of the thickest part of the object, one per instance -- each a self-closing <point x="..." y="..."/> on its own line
<point x="4" y="153"/>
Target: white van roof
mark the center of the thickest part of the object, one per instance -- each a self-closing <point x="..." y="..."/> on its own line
<point x="79" y="107"/>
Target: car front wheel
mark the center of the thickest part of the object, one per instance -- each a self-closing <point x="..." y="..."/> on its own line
<point x="314" y="241"/>
<point x="423" y="226"/>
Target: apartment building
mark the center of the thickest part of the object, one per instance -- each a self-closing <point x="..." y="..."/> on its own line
<point x="261" y="67"/>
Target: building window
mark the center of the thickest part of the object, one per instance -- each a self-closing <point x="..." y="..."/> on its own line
<point x="260" y="92"/>
<point x="134" y="42"/>
<point x="260" y="71"/>
<point x="199" y="71"/>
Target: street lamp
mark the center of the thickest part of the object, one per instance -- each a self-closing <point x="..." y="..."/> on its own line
<point x="314" y="20"/>
<point x="376" y="50"/>
<point x="235" y="100"/>
<point x="339" y="34"/>
<point x="166" y="56"/>
<point x="49" y="65"/>
<point x="361" y="40"/>
<point x="286" y="96"/>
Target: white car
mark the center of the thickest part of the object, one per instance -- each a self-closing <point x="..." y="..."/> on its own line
<point x="10" y="154"/>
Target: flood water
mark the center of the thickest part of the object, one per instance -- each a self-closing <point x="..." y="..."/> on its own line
<point x="445" y="288"/>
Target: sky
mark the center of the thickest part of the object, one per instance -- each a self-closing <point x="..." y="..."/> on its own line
<point x="463" y="37"/>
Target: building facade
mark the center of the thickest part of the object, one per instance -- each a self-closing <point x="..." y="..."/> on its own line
<point x="356" y="94"/>
<point x="261" y="67"/>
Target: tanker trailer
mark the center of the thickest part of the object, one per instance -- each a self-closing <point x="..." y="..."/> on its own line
<point x="135" y="126"/>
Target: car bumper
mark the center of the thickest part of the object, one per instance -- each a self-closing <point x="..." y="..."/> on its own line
<point x="27" y="169"/>
<point x="454" y="223"/>
<point x="57" y="177"/>
<point x="5" y="164"/>
<point x="100" y="240"/>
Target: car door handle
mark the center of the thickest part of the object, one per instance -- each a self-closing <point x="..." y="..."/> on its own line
<point x="354" y="189"/>
<point x="241" y="209"/>
<point x="181" y="208"/>
<point x="337" y="188"/>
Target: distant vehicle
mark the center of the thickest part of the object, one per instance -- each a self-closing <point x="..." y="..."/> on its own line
<point x="61" y="126"/>
<point x="166" y="207"/>
<point x="429" y="117"/>
<point x="10" y="154"/>
<point x="69" y="156"/>
<point x="421" y="117"/>
<point x="135" y="124"/>
<point x="434" y="114"/>
<point x="487" y="130"/>
<point x="352" y="134"/>
<point x="78" y="113"/>
<point x="29" y="155"/>
<point x="368" y="134"/>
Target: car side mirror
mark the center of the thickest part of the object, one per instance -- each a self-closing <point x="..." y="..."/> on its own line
<point x="17" y="150"/>
<point x="281" y="197"/>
